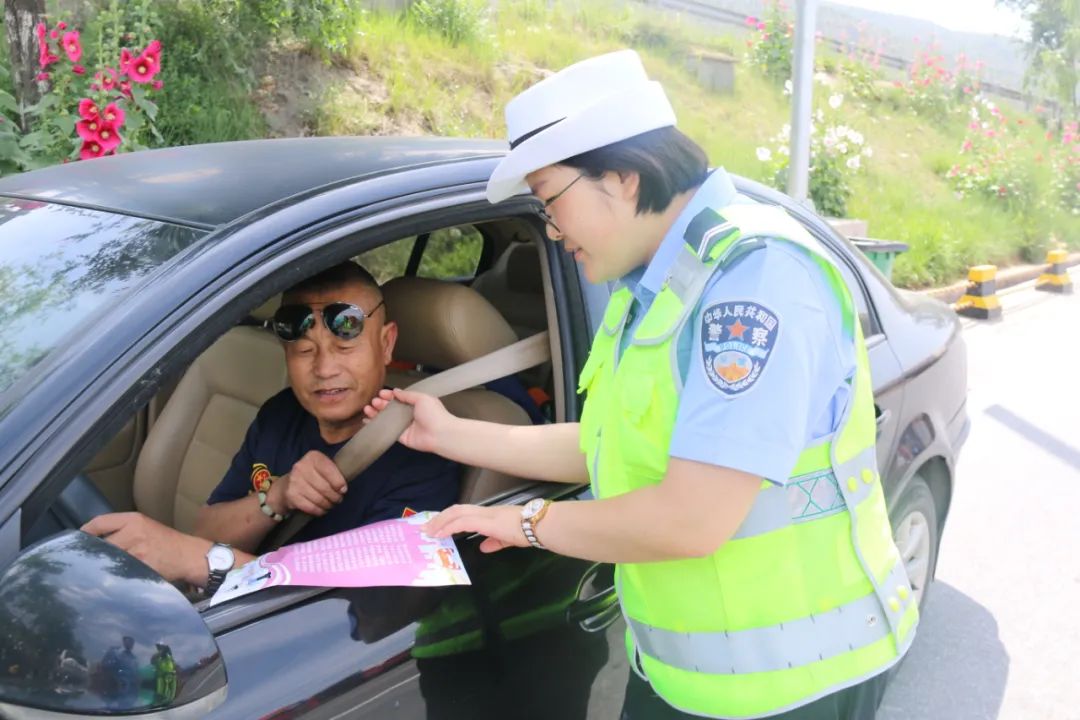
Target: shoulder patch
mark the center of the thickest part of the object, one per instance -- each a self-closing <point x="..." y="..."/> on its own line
<point x="737" y="339"/>
<point x="260" y="477"/>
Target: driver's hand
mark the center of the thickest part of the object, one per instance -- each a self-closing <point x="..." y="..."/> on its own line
<point x="170" y="553"/>
<point x="313" y="486"/>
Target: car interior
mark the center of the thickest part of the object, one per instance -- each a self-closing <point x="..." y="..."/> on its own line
<point x="457" y="294"/>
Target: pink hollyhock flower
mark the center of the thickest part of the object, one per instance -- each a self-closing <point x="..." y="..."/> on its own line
<point x="966" y="146"/>
<point x="761" y="25"/>
<point x="143" y="68"/>
<point x="125" y="59"/>
<point x="88" y="128"/>
<point x="61" y="25"/>
<point x="158" y="85"/>
<point x="106" y="78"/>
<point x="91" y="149"/>
<point x="113" y="115"/>
<point x="88" y="109"/>
<point x="108" y="138"/>
<point x="72" y="46"/>
<point x="1066" y="138"/>
<point x="40" y="31"/>
<point x="54" y="34"/>
<point x="751" y="21"/>
<point x="125" y="88"/>
<point x="78" y="69"/>
<point x="42" y="76"/>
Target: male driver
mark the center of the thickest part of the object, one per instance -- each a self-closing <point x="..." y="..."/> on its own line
<point x="337" y="344"/>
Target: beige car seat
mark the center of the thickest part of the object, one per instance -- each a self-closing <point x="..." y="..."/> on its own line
<point x="200" y="429"/>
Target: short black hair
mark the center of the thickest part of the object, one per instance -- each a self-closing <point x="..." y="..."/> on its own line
<point x="337" y="276"/>
<point x="667" y="161"/>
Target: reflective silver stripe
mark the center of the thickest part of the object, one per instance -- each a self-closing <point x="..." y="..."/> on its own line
<point x="779" y="647"/>
<point x="809" y="497"/>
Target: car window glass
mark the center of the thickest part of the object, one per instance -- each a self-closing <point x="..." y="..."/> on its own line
<point x="388" y="261"/>
<point x="60" y="268"/>
<point x="452" y="254"/>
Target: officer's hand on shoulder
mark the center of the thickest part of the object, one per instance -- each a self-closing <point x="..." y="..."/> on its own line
<point x="313" y="486"/>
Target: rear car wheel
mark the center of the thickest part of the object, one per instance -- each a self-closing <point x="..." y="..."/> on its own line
<point x="915" y="531"/>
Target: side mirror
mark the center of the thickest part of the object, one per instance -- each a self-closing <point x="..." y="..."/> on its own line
<point x="86" y="629"/>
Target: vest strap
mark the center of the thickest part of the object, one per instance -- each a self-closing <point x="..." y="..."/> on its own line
<point x="848" y="627"/>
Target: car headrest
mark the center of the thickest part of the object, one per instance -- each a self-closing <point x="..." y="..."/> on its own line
<point x="267" y="309"/>
<point x="523" y="268"/>
<point x="442" y="324"/>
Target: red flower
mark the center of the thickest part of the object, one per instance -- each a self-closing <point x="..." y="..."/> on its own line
<point x="125" y="59"/>
<point x="42" y="76"/>
<point x="113" y="115"/>
<point x="88" y="128"/>
<point x="158" y="85"/>
<point x="91" y="149"/>
<point x="143" y="68"/>
<point x="125" y="88"/>
<point x="72" y="46"/>
<point x="54" y="34"/>
<point x="106" y="78"/>
<point x="108" y="137"/>
<point x="61" y="25"/>
<point x="45" y="58"/>
<point x="88" y="110"/>
<point x="78" y="69"/>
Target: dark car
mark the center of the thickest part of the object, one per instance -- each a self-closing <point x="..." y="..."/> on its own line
<point x="132" y="360"/>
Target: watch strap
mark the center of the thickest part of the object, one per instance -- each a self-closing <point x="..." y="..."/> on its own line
<point x="216" y="577"/>
<point x="528" y="526"/>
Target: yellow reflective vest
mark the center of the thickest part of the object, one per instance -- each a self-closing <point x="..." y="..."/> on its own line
<point x="810" y="595"/>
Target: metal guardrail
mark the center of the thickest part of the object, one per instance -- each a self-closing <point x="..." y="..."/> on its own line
<point x="734" y="17"/>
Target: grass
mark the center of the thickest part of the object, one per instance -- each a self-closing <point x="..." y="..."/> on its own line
<point x="435" y="87"/>
<point x="397" y="77"/>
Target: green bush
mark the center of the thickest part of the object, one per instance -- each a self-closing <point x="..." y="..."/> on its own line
<point x="770" y="47"/>
<point x="459" y="21"/>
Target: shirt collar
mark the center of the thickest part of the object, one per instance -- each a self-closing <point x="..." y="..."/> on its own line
<point x="646" y="281"/>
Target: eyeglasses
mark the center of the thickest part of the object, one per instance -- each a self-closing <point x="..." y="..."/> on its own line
<point x="344" y="320"/>
<point x="545" y="215"/>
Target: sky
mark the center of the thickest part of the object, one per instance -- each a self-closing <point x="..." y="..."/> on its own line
<point x="981" y="16"/>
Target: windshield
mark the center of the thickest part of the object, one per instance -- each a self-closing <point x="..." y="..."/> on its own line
<point x="61" y="267"/>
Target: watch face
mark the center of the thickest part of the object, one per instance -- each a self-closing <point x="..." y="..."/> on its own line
<point x="220" y="558"/>
<point x="532" y="507"/>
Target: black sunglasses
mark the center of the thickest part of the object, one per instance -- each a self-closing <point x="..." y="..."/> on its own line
<point x="344" y="320"/>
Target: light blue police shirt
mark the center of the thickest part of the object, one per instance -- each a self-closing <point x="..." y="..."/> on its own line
<point x="796" y="389"/>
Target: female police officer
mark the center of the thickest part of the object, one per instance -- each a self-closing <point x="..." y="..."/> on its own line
<point x="728" y="429"/>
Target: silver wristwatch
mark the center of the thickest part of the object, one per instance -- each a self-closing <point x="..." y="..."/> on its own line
<point x="220" y="559"/>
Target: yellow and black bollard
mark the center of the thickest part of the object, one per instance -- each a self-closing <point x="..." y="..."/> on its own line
<point x="980" y="300"/>
<point x="1056" y="278"/>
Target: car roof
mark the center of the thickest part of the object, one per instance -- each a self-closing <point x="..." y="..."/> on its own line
<point x="210" y="185"/>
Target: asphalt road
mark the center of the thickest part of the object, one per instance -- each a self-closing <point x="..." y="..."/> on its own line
<point x="1000" y="636"/>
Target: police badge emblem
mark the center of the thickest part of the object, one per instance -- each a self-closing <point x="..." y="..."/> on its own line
<point x="737" y="339"/>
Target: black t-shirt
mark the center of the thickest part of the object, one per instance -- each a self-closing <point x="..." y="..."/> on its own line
<point x="283" y="432"/>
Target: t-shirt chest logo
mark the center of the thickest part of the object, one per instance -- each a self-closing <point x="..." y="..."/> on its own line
<point x="737" y="339"/>
<point x="260" y="477"/>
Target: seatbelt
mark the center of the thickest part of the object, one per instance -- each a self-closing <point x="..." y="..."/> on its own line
<point x="377" y="436"/>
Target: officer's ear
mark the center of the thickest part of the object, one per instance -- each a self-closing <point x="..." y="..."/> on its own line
<point x="629" y="184"/>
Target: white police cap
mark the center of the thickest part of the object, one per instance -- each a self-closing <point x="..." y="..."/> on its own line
<point x="586" y="106"/>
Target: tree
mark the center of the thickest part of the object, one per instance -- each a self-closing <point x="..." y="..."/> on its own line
<point x="1053" y="46"/>
<point x="20" y="17"/>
